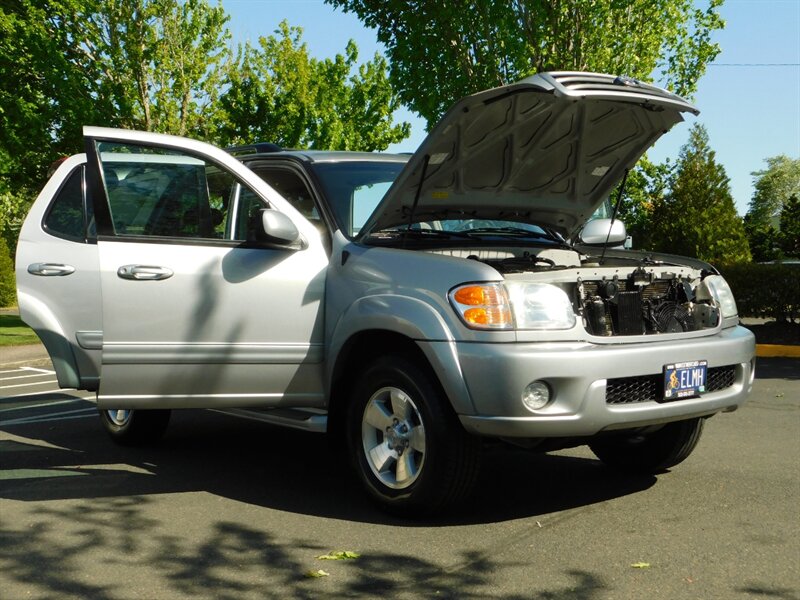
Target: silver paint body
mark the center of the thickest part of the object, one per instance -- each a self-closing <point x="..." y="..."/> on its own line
<point x="212" y="326"/>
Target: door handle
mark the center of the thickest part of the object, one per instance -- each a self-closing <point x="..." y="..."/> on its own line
<point x="144" y="272"/>
<point x="50" y="269"/>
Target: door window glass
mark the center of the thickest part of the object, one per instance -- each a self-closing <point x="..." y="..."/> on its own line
<point x="66" y="216"/>
<point x="248" y="215"/>
<point x="158" y="192"/>
<point x="291" y="186"/>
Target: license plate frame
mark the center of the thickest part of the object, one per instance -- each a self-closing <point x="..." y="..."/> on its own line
<point x="683" y="380"/>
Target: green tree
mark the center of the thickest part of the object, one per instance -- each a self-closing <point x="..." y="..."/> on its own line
<point x="44" y="95"/>
<point x="698" y="217"/>
<point x="13" y="208"/>
<point x="773" y="188"/>
<point x="763" y="239"/>
<point x="790" y="227"/>
<point x="276" y="92"/>
<point x="154" y="62"/>
<point x="442" y="51"/>
<point x="8" y="290"/>
<point x="647" y="185"/>
<point x="141" y="64"/>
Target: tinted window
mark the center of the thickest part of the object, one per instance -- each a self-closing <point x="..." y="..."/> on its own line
<point x="66" y="218"/>
<point x="156" y="192"/>
<point x="291" y="186"/>
<point x="248" y="215"/>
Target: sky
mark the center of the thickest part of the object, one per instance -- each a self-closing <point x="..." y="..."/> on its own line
<point x="749" y="98"/>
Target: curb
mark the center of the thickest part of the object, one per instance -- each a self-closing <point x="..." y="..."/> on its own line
<point x="777" y="351"/>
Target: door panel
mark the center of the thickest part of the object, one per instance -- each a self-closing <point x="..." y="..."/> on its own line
<point x="230" y="327"/>
<point x="194" y="317"/>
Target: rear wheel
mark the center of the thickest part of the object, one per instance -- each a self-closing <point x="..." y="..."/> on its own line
<point x="406" y="444"/>
<point x="129" y="427"/>
<point x="650" y="452"/>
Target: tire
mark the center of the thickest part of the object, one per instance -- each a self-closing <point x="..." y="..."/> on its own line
<point x="135" y="427"/>
<point x="651" y="452"/>
<point x="405" y="443"/>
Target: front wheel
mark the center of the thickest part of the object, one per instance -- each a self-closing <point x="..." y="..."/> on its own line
<point x="406" y="444"/>
<point x="135" y="427"/>
<point x="650" y="452"/>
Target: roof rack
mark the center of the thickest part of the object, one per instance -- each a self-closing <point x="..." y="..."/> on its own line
<point x="257" y="148"/>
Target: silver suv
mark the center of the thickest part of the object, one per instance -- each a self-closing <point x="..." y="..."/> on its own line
<point x="412" y="305"/>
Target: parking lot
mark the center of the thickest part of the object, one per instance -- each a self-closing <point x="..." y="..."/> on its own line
<point x="228" y="508"/>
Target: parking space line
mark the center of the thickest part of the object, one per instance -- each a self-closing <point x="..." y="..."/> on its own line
<point x="56" y="403"/>
<point x="91" y="398"/>
<point x="43" y="371"/>
<point x="18" y="385"/>
<point x="46" y="374"/>
<point x="81" y="413"/>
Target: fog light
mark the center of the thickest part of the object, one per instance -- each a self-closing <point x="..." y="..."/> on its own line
<point x="536" y="396"/>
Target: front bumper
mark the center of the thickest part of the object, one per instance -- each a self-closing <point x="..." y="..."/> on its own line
<point x="497" y="374"/>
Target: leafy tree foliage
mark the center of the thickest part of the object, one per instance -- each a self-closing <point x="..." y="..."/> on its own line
<point x="43" y="96"/>
<point x="12" y="213"/>
<point x="790" y="227"/>
<point x="277" y="92"/>
<point x="763" y="239"/>
<point x="698" y="217"/>
<point x="8" y="290"/>
<point x="646" y="186"/>
<point x="142" y="64"/>
<point x="773" y="187"/>
<point x="161" y="65"/>
<point x="442" y="51"/>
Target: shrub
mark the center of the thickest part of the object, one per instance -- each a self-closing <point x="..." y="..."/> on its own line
<point x="765" y="290"/>
<point x="8" y="288"/>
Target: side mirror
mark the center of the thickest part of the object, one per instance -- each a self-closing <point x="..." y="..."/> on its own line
<point x="277" y="228"/>
<point x="603" y="232"/>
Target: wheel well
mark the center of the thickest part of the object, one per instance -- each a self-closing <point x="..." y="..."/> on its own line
<point x="354" y="355"/>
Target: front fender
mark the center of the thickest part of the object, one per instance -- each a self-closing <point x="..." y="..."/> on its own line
<point x="415" y="320"/>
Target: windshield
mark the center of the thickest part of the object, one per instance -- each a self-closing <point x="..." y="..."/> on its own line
<point x="355" y="188"/>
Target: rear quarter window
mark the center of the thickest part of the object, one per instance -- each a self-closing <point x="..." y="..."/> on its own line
<point x="67" y="216"/>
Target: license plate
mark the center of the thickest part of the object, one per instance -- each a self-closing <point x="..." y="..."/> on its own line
<point x="685" y="379"/>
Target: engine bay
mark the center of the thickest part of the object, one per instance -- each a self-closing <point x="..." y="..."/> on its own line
<point x="620" y="297"/>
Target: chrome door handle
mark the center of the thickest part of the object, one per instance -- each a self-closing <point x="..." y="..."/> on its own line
<point x="50" y="269"/>
<point x="144" y="272"/>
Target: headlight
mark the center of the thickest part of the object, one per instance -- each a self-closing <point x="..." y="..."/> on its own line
<point x="720" y="291"/>
<point x="540" y="306"/>
<point x="522" y="305"/>
<point x="483" y="306"/>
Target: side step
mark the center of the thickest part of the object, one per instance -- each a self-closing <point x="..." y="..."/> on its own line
<point x="306" y="419"/>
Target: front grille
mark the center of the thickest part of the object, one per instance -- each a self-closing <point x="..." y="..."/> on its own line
<point x="719" y="378"/>
<point x="629" y="390"/>
<point x="649" y="388"/>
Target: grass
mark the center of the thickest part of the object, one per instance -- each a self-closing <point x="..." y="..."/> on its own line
<point x="13" y="332"/>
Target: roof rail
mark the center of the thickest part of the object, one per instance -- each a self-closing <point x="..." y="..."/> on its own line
<point x="257" y="148"/>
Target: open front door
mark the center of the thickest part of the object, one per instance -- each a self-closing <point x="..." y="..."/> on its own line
<point x="196" y="311"/>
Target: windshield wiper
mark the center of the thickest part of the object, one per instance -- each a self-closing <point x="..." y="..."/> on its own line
<point x="511" y="231"/>
<point x="421" y="233"/>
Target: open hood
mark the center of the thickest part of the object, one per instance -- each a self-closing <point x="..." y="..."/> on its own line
<point x="546" y="150"/>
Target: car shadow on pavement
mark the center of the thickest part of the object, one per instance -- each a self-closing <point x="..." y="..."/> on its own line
<point x="280" y="469"/>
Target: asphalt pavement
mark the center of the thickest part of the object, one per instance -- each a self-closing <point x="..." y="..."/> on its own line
<point x="225" y="508"/>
